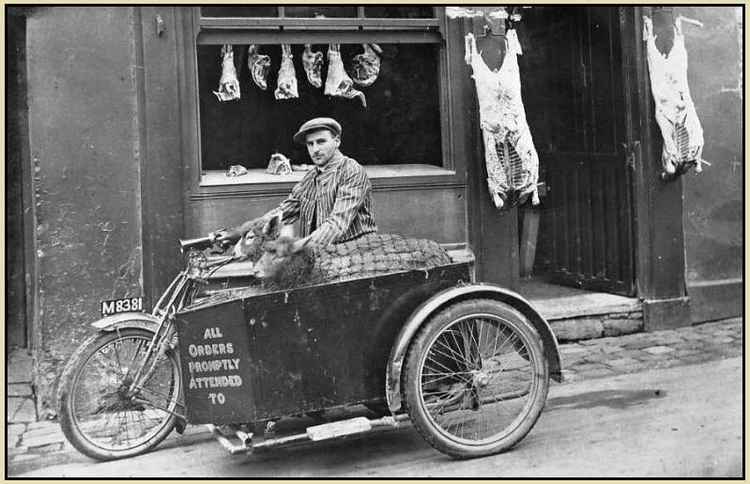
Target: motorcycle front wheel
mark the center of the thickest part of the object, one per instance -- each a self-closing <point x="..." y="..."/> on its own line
<point x="98" y="415"/>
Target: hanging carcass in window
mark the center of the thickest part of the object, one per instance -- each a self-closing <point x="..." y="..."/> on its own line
<point x="258" y="64"/>
<point x="674" y="108"/>
<point x="286" y="87"/>
<point x="510" y="155"/>
<point x="229" y="85"/>
<point x="313" y="65"/>
<point x="338" y="82"/>
<point x="366" y="66"/>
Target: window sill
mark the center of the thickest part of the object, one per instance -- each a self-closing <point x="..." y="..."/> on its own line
<point x="258" y="183"/>
<point x="213" y="178"/>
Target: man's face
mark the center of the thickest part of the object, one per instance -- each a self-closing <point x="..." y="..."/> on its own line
<point x="321" y="145"/>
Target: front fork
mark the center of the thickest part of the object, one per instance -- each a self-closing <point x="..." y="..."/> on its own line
<point x="136" y="388"/>
<point x="164" y="338"/>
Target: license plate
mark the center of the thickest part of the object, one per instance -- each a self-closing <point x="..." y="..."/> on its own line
<point x="122" y="305"/>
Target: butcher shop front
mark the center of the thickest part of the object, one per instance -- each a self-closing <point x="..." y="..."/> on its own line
<point x="167" y="122"/>
<point x="382" y="72"/>
<point x="397" y="80"/>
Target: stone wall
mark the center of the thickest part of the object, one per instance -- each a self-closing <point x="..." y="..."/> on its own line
<point x="713" y="199"/>
<point x="85" y="158"/>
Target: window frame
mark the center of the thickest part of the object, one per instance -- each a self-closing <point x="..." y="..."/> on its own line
<point x="196" y="30"/>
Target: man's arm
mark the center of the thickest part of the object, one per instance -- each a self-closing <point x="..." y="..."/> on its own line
<point x="350" y="195"/>
<point x="289" y="209"/>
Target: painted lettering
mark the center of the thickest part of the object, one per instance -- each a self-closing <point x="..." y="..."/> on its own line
<point x="213" y="365"/>
<point x="212" y="333"/>
<point x="213" y="349"/>
<point x="222" y="381"/>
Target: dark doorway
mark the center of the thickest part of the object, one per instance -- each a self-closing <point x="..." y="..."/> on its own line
<point x="575" y="98"/>
<point x="16" y="162"/>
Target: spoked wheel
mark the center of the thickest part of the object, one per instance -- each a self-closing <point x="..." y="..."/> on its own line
<point x="98" y="415"/>
<point x="476" y="378"/>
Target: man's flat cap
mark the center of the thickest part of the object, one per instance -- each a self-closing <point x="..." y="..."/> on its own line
<point x="316" y="124"/>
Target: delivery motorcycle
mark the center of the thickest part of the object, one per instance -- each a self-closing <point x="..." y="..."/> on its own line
<point x="467" y="364"/>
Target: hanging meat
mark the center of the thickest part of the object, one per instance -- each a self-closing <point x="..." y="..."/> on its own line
<point x="338" y="82"/>
<point x="287" y="83"/>
<point x="258" y="64"/>
<point x="229" y="85"/>
<point x="510" y="156"/>
<point x="366" y="65"/>
<point x="313" y="64"/>
<point x="674" y="108"/>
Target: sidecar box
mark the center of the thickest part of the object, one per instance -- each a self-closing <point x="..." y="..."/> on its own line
<point x="257" y="356"/>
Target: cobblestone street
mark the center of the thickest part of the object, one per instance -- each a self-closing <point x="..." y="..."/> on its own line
<point x="660" y="349"/>
<point x="37" y="444"/>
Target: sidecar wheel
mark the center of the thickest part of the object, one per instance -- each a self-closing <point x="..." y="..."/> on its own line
<point x="96" y="416"/>
<point x="476" y="378"/>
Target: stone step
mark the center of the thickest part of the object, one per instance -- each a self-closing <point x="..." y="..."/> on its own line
<point x="590" y="327"/>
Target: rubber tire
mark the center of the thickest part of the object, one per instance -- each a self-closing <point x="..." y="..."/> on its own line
<point x="66" y="390"/>
<point x="411" y="378"/>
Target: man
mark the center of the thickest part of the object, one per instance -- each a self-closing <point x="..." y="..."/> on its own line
<point x="333" y="201"/>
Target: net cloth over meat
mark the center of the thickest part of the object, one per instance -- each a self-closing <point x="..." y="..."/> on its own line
<point x="674" y="108"/>
<point x="376" y="254"/>
<point x="512" y="160"/>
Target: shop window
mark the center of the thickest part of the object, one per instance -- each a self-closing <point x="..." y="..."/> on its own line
<point x="403" y="123"/>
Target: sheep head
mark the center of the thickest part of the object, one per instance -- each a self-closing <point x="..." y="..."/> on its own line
<point x="286" y="262"/>
<point x="250" y="246"/>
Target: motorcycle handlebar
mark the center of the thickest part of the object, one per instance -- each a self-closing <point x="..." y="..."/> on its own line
<point x="199" y="243"/>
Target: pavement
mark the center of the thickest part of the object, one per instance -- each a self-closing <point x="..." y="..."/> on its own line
<point x="32" y="444"/>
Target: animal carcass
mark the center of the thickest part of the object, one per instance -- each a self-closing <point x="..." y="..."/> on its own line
<point x="288" y="262"/>
<point x="366" y="66"/>
<point x="338" y="82"/>
<point x="287" y="82"/>
<point x="313" y="65"/>
<point x="229" y="85"/>
<point x="258" y="64"/>
<point x="674" y="108"/>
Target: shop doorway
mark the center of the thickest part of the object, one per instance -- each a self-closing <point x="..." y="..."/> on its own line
<point x="575" y="95"/>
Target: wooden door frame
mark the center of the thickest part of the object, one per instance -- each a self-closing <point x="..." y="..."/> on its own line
<point x="658" y="229"/>
<point x="27" y="206"/>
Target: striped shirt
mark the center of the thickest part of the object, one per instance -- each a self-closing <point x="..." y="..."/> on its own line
<point x="333" y="203"/>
